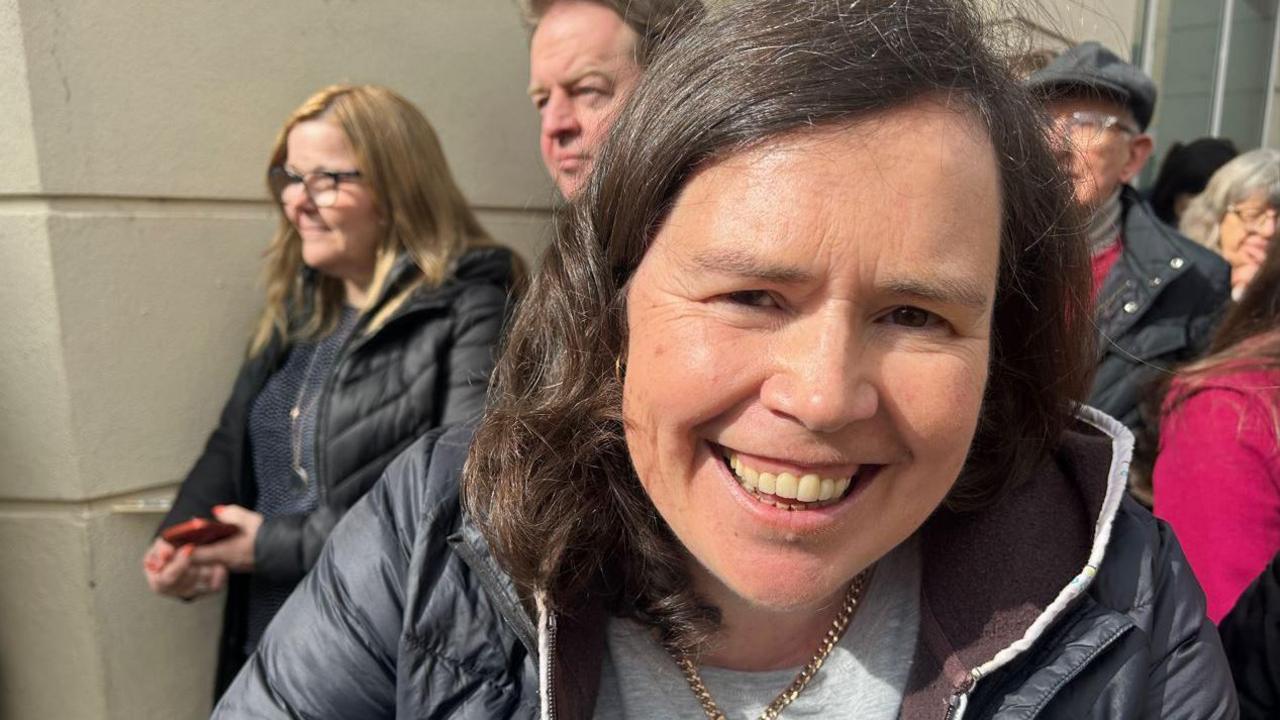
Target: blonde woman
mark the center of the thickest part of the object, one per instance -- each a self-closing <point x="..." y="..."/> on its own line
<point x="1236" y="213"/>
<point x="385" y="297"/>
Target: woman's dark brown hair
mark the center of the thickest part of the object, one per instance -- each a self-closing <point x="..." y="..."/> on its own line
<point x="1247" y="340"/>
<point x="549" y="478"/>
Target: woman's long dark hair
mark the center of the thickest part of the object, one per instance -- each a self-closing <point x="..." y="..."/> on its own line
<point x="1247" y="340"/>
<point x="549" y="478"/>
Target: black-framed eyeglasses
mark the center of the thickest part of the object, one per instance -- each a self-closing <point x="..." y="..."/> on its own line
<point x="1090" y="124"/>
<point x="320" y="185"/>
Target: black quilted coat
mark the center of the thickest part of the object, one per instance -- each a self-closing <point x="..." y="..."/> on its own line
<point x="1157" y="308"/>
<point x="427" y="366"/>
<point x="1066" y="600"/>
<point x="1251" y="637"/>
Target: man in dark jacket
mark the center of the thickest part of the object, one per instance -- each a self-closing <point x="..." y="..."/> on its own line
<point x="1157" y="294"/>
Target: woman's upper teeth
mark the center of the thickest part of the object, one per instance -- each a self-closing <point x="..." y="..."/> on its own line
<point x="808" y="487"/>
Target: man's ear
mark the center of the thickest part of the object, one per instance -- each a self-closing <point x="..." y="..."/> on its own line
<point x="1140" y="148"/>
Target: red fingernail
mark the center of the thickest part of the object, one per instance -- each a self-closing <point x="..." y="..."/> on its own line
<point x="217" y="509"/>
<point x="187" y="550"/>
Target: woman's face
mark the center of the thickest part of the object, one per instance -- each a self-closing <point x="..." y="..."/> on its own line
<point x="341" y="240"/>
<point x="813" y="321"/>
<point x="1247" y="229"/>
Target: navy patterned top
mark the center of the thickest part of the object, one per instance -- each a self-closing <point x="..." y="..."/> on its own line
<point x="281" y="445"/>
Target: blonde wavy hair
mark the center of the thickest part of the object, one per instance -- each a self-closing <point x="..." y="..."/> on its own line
<point x="1241" y="177"/>
<point x="426" y="217"/>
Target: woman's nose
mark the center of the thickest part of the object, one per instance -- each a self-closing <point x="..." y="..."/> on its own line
<point x="296" y="201"/>
<point x="822" y="384"/>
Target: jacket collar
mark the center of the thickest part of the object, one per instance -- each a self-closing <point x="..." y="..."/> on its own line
<point x="966" y="635"/>
<point x="1150" y="261"/>
<point x="494" y="265"/>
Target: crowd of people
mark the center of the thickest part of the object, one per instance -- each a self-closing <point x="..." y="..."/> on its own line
<point x="839" y="392"/>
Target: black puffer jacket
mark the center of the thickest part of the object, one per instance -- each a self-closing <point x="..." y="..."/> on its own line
<point x="1157" y="308"/>
<point x="1251" y="637"/>
<point x="427" y="366"/>
<point x="1066" y="600"/>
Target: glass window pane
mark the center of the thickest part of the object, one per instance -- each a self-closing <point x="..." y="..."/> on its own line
<point x="1253" y="27"/>
<point x="1185" y="54"/>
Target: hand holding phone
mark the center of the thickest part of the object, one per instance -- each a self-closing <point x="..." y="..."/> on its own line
<point x="198" y="531"/>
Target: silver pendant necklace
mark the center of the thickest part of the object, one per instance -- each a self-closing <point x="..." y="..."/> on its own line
<point x="295" y="418"/>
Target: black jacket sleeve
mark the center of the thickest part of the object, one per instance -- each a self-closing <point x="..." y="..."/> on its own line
<point x="1251" y="637"/>
<point x="288" y="546"/>
<point x="331" y="650"/>
<point x="212" y="480"/>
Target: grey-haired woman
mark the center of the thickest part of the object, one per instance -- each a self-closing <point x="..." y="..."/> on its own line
<point x="1236" y="213"/>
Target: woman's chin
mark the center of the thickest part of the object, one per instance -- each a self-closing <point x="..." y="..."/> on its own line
<point x="785" y="585"/>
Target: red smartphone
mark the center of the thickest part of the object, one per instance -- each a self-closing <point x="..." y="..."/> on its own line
<point x="197" y="531"/>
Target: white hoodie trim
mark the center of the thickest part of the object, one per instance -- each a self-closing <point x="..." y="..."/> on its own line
<point x="1117" y="486"/>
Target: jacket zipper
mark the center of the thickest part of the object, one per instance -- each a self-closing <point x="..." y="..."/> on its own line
<point x="548" y="670"/>
<point x="322" y="405"/>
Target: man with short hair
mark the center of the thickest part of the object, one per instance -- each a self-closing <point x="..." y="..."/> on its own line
<point x="1157" y="294"/>
<point x="585" y="56"/>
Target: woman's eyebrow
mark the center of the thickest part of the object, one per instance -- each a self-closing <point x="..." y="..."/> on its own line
<point x="734" y="261"/>
<point x="946" y="290"/>
<point x="943" y="290"/>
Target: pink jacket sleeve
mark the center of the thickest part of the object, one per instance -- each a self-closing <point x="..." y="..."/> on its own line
<point x="1215" y="483"/>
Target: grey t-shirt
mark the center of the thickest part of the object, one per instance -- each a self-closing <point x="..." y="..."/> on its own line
<point x="864" y="677"/>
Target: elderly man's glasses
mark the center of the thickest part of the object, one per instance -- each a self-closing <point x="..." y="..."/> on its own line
<point x="1253" y="218"/>
<point x="1090" y="124"/>
<point x="321" y="185"/>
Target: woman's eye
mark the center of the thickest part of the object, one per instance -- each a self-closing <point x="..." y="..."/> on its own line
<point x="753" y="298"/>
<point x="912" y="317"/>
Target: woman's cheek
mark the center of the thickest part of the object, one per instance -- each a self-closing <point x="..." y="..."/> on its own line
<point x="937" y="395"/>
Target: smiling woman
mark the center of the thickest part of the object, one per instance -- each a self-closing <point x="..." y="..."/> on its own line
<point x="786" y="426"/>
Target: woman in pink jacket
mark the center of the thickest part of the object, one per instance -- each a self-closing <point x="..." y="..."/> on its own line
<point x="1217" y="477"/>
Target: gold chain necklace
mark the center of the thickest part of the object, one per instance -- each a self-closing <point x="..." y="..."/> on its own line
<point x="829" y="642"/>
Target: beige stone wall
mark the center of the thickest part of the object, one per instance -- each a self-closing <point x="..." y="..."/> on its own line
<point x="132" y="218"/>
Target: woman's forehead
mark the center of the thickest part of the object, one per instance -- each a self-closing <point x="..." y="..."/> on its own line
<point x="920" y="188"/>
<point x="884" y="170"/>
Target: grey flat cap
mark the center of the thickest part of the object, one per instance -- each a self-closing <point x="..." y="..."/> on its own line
<point x="1091" y="67"/>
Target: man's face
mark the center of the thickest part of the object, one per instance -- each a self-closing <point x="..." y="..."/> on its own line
<point x="581" y="67"/>
<point x="1099" y="145"/>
